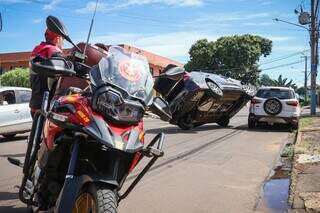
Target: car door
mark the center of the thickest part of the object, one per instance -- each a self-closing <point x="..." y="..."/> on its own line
<point x="9" y="112"/>
<point x="23" y="97"/>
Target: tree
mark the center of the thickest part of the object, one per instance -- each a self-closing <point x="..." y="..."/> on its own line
<point x="265" y="80"/>
<point x="232" y="56"/>
<point x="18" y="77"/>
<point x="282" y="82"/>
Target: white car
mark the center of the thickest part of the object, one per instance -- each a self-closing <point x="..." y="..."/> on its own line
<point x="274" y="105"/>
<point x="15" y="114"/>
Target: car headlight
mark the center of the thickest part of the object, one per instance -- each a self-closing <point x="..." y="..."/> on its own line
<point x="215" y="88"/>
<point x="112" y="106"/>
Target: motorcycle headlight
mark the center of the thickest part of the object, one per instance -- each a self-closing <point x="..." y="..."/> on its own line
<point x="112" y="106"/>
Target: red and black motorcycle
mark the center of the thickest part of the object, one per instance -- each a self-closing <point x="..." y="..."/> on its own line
<point x="85" y="142"/>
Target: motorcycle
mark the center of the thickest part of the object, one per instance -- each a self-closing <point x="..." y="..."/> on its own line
<point x="197" y="98"/>
<point x="84" y="143"/>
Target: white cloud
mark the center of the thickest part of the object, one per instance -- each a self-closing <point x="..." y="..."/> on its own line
<point x="103" y="7"/>
<point x="37" y="21"/>
<point x="171" y="45"/>
<point x="229" y="17"/>
<point x="90" y="6"/>
<point x="51" y="5"/>
<point x="257" y="24"/>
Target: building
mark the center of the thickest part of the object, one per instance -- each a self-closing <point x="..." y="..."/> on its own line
<point x="9" y="61"/>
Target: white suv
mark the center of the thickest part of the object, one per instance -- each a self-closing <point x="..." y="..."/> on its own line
<point x="274" y="105"/>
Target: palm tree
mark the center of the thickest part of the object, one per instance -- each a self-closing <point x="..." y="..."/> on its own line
<point x="283" y="82"/>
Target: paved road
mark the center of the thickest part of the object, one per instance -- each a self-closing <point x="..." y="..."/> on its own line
<point x="209" y="169"/>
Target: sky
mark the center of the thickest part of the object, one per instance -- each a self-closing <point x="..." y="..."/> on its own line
<point x="165" y="27"/>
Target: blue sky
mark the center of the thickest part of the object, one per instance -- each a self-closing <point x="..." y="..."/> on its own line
<point x="165" y="27"/>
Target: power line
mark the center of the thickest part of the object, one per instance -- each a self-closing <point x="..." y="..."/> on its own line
<point x="283" y="65"/>
<point x="284" y="57"/>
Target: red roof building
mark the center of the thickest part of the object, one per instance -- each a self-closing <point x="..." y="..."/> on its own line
<point x="9" y="61"/>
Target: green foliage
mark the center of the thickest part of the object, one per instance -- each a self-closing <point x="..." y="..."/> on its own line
<point x="300" y="91"/>
<point x="18" y="77"/>
<point x="232" y="56"/>
<point x="265" y="80"/>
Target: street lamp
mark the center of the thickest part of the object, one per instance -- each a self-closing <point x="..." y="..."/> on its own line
<point x="298" y="25"/>
<point x="305" y="18"/>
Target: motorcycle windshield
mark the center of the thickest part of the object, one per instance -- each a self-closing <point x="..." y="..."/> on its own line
<point x="128" y="71"/>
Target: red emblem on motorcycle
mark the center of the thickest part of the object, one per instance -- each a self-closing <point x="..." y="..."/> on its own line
<point x="130" y="70"/>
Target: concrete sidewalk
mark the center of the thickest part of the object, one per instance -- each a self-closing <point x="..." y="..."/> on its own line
<point x="305" y="184"/>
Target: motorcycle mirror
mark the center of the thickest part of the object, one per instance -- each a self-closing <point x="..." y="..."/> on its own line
<point x="56" y="26"/>
<point x="161" y="108"/>
<point x="175" y="73"/>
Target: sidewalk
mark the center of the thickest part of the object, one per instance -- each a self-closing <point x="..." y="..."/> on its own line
<point x="305" y="178"/>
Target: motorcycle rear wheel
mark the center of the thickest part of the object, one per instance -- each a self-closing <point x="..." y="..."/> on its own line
<point x="95" y="199"/>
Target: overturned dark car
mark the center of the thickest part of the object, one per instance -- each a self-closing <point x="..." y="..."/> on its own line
<point x="197" y="98"/>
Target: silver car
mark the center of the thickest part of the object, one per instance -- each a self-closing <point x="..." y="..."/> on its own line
<point x="15" y="114"/>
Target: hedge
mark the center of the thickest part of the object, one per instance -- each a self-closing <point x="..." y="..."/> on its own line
<point x="18" y="77"/>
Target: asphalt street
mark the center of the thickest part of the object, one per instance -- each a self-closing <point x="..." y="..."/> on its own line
<point x="205" y="170"/>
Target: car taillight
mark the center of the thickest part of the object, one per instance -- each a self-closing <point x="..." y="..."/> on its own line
<point x="186" y="77"/>
<point x="292" y="103"/>
<point x="256" y="101"/>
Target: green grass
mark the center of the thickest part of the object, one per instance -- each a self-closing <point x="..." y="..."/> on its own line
<point x="305" y="123"/>
<point x="288" y="151"/>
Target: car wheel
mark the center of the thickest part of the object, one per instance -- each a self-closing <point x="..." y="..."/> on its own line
<point x="251" y="124"/>
<point x="215" y="89"/>
<point x="9" y="135"/>
<point x="224" y="122"/>
<point x="295" y="126"/>
<point x="185" y="123"/>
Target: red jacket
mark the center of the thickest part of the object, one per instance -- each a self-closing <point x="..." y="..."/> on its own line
<point x="39" y="83"/>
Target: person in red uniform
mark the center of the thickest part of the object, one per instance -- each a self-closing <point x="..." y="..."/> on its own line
<point x="52" y="47"/>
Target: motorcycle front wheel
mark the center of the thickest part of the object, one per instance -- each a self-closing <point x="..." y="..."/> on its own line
<point x="95" y="199"/>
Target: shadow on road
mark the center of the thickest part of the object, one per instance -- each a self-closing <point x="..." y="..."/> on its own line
<point x="175" y="129"/>
<point x="7" y="207"/>
<point x="16" y="138"/>
<point x="261" y="128"/>
<point x="266" y="128"/>
<point x="13" y="209"/>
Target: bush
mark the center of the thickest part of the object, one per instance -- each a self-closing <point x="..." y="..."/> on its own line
<point x="18" y="77"/>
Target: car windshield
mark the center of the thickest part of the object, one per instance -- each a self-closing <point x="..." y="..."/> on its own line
<point x="275" y="93"/>
<point x="128" y="71"/>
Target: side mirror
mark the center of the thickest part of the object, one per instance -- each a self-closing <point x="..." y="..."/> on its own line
<point x="55" y="25"/>
<point x="52" y="67"/>
<point x="175" y="73"/>
<point x="160" y="107"/>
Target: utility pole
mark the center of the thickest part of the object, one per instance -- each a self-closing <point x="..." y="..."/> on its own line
<point x="305" y="78"/>
<point x="314" y="60"/>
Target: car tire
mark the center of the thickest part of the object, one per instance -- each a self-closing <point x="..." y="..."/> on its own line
<point x="223" y="122"/>
<point x="9" y="135"/>
<point x="295" y="126"/>
<point x="251" y="124"/>
<point x="214" y="89"/>
<point x="272" y="106"/>
<point x="185" y="123"/>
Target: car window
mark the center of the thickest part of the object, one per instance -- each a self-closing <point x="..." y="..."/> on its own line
<point x="7" y="97"/>
<point x="23" y="96"/>
<point x="275" y="93"/>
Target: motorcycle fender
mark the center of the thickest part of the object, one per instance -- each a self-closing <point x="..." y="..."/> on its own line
<point x="71" y="188"/>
